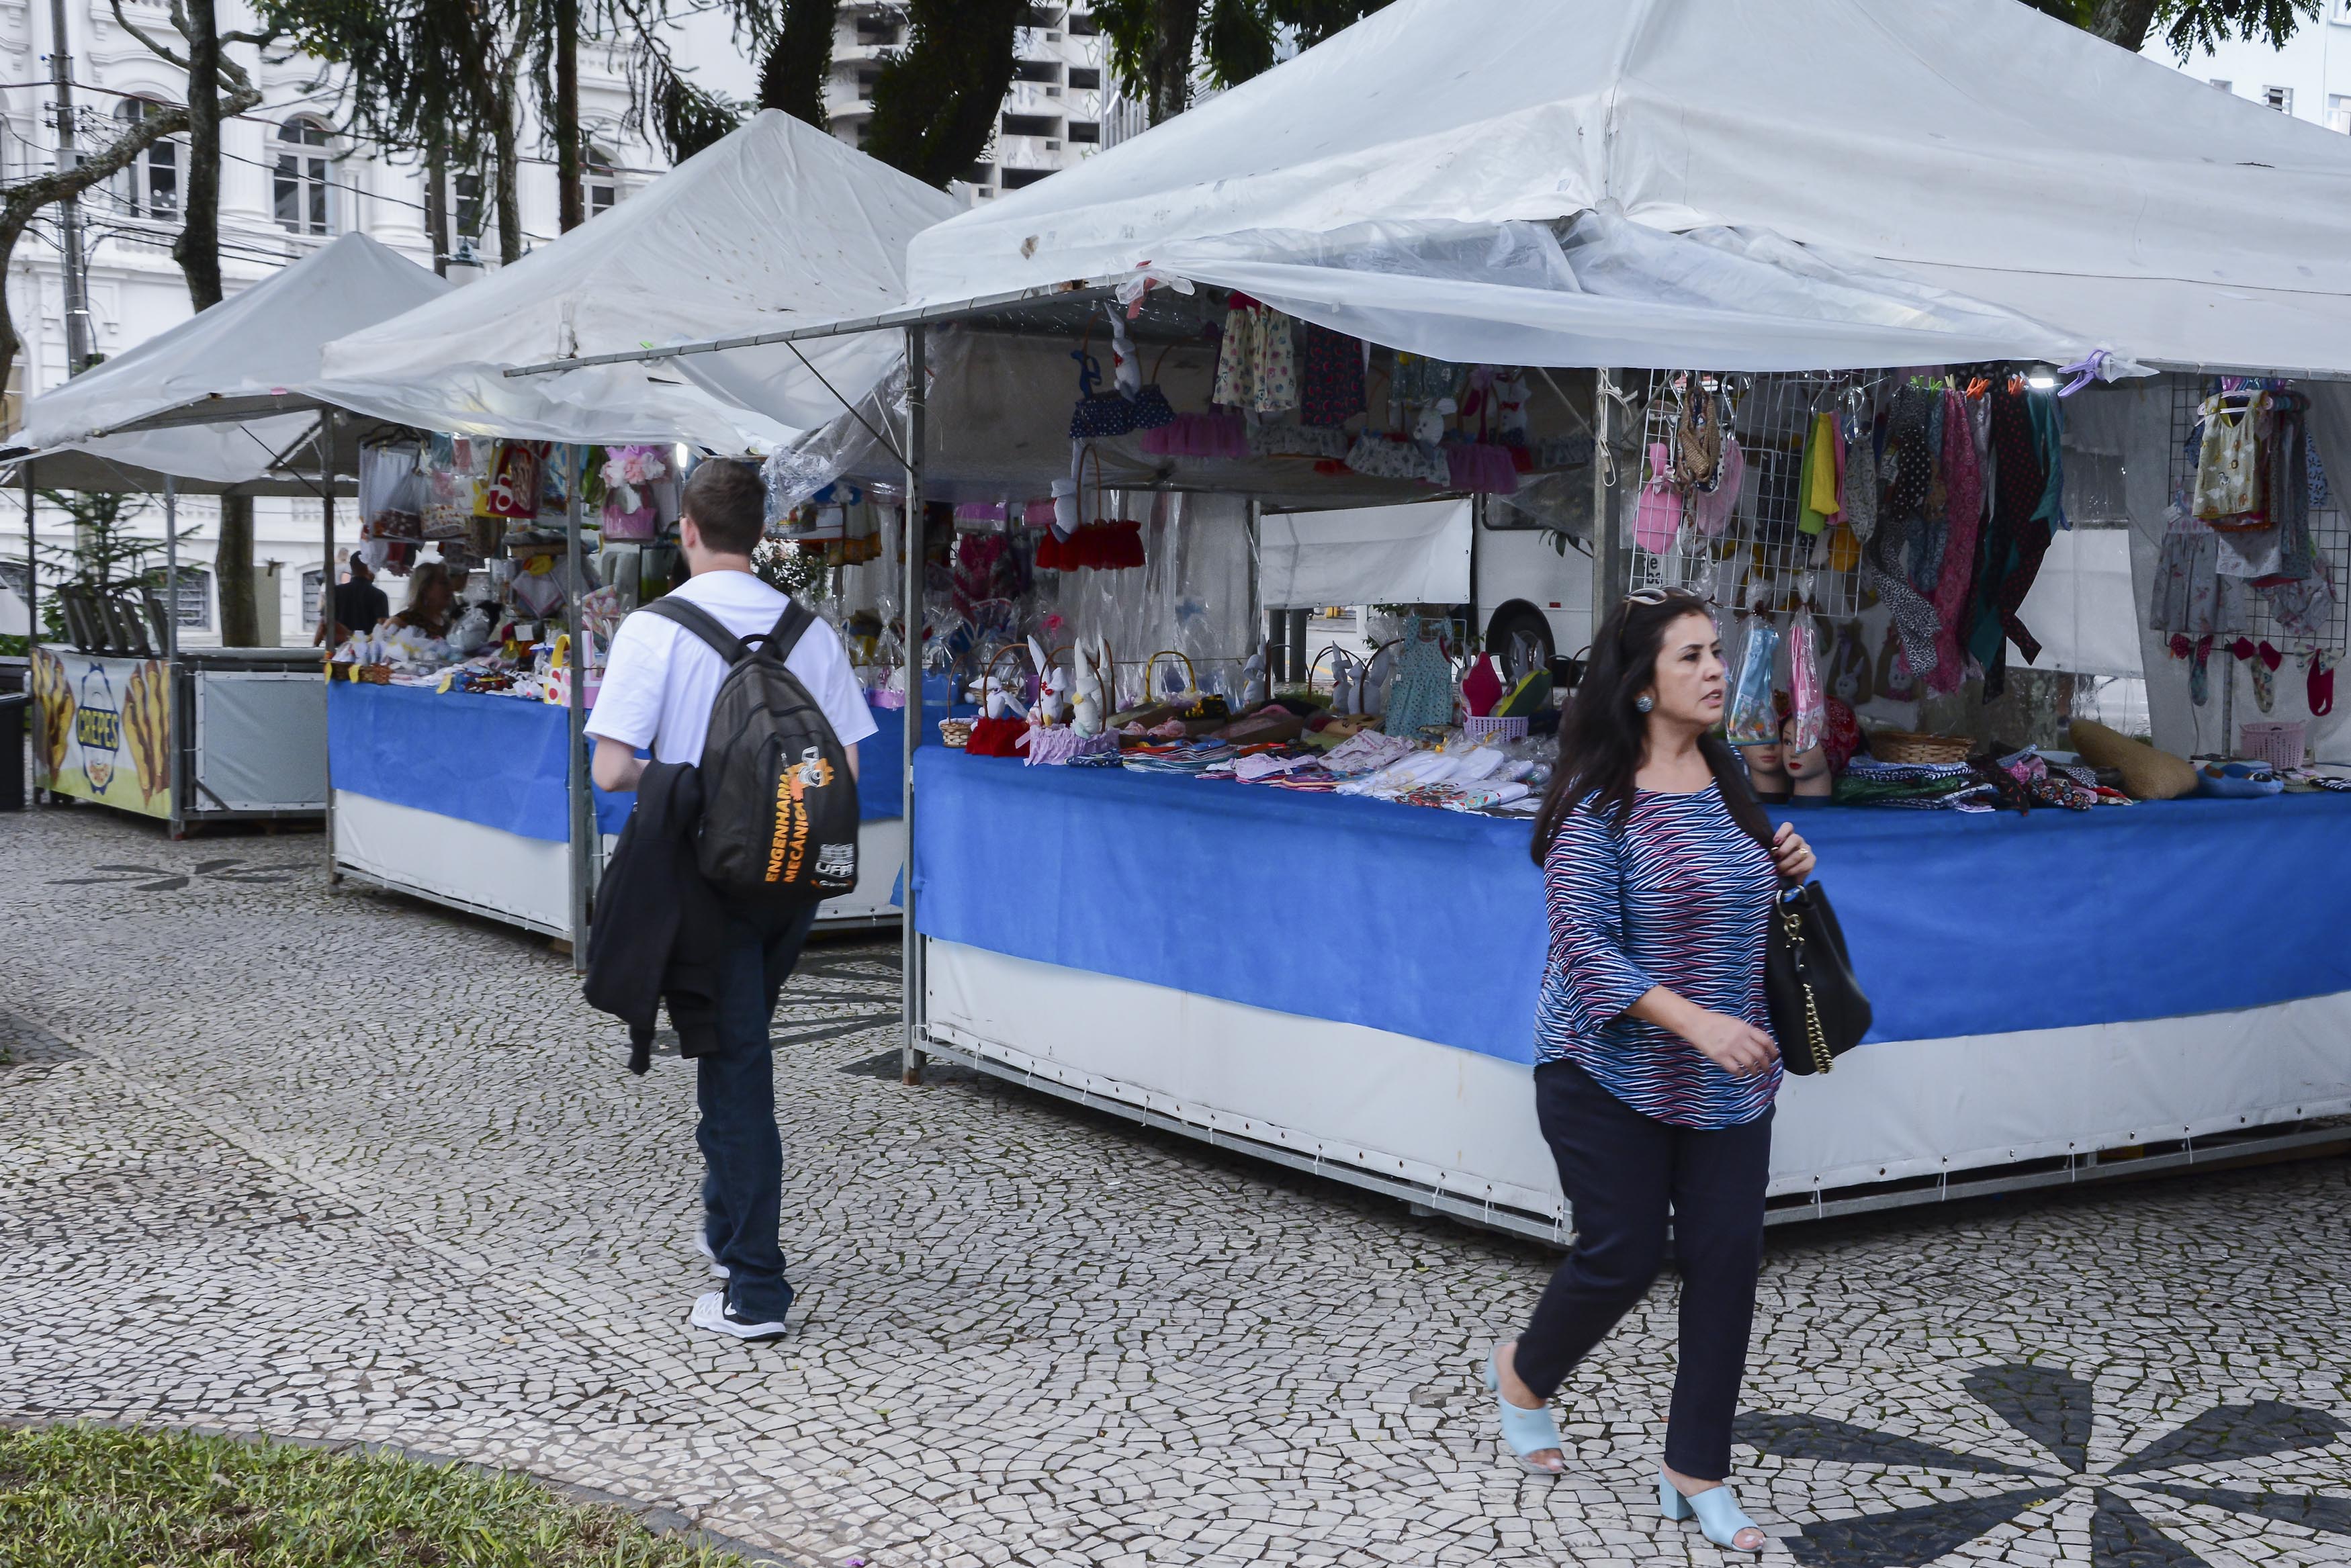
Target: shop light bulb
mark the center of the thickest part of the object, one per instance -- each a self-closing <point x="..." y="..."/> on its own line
<point x="2041" y="378"/>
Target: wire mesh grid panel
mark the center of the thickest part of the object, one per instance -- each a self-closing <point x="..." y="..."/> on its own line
<point x="1720" y="509"/>
<point x="2293" y="615"/>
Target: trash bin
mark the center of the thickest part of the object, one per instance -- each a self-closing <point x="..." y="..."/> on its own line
<point x="15" y="707"/>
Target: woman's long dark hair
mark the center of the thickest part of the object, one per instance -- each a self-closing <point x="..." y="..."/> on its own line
<point x="1602" y="733"/>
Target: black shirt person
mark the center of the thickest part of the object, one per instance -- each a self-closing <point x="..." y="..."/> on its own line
<point x="359" y="605"/>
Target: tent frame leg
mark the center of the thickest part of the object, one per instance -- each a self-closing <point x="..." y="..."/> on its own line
<point x="910" y="942"/>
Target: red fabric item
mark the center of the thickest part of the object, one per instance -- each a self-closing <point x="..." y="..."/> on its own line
<point x="996" y="737"/>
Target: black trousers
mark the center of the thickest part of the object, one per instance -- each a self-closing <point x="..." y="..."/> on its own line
<point x="735" y="1088"/>
<point x="1622" y="1171"/>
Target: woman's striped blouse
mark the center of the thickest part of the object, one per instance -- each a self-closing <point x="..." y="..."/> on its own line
<point x="1679" y="897"/>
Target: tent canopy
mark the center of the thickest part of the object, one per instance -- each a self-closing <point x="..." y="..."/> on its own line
<point x="1975" y="146"/>
<point x="212" y="402"/>
<point x="778" y="223"/>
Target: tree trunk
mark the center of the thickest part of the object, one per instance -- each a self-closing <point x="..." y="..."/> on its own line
<point x="2125" y="23"/>
<point x="197" y="250"/>
<point x="10" y="343"/>
<point x="800" y="62"/>
<point x="570" y="202"/>
<point x="436" y="208"/>
<point x="1171" y="59"/>
<point x="508" y="156"/>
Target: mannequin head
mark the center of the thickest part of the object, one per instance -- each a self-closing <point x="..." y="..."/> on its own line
<point x="1808" y="771"/>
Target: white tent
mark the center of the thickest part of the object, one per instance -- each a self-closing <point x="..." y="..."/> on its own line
<point x="220" y="386"/>
<point x="777" y="223"/>
<point x="1888" y="146"/>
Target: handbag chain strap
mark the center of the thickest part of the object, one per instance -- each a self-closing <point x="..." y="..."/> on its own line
<point x="1822" y="1061"/>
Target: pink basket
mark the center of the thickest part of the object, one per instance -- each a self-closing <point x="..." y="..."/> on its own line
<point x="2277" y="741"/>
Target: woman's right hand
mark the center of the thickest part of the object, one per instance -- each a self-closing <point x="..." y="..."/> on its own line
<point x="1735" y="1045"/>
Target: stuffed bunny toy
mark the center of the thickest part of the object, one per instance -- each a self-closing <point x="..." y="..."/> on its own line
<point x="1125" y="374"/>
<point x="1346" y="685"/>
<point x="1001" y="704"/>
<point x="1428" y="426"/>
<point x="1089" y="719"/>
<point x="1255" y="692"/>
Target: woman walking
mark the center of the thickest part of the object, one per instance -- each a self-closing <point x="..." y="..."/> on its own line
<point x="1656" y="1066"/>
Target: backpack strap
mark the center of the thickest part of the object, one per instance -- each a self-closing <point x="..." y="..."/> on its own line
<point x="786" y="634"/>
<point x="703" y="625"/>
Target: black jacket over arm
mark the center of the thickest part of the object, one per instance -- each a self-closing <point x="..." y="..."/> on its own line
<point x="659" y="927"/>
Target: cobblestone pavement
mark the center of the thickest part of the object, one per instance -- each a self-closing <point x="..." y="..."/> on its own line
<point x="343" y="1166"/>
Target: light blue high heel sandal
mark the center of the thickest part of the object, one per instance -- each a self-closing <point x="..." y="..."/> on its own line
<point x="1716" y="1510"/>
<point x="1526" y="1431"/>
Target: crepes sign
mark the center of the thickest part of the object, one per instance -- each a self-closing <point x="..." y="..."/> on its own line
<point x="103" y="729"/>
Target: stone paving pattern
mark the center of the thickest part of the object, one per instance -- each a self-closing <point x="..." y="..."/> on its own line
<point x="343" y="1166"/>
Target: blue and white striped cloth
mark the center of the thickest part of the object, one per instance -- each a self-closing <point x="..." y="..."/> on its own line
<point x="1680" y="896"/>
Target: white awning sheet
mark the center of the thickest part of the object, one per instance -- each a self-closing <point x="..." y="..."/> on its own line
<point x="777" y="225"/>
<point x="1417" y="553"/>
<point x="244" y="356"/>
<point x="1975" y="146"/>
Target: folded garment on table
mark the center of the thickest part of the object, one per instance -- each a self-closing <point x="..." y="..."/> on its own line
<point x="1877" y="771"/>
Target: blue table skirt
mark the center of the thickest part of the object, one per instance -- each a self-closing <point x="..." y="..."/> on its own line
<point x="499" y="761"/>
<point x="1430" y="923"/>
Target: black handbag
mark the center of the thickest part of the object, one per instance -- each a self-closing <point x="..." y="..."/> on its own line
<point x="1819" y="1011"/>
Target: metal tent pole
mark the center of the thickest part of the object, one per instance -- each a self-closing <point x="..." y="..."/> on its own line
<point x="910" y="948"/>
<point x="174" y="771"/>
<point x="1606" y="553"/>
<point x="583" y="798"/>
<point x="326" y="611"/>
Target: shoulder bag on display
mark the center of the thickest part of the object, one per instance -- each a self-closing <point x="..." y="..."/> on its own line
<point x="1819" y="1011"/>
<point x="780" y="808"/>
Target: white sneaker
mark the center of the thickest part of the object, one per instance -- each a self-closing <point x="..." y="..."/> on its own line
<point x="702" y="1245"/>
<point x="713" y="1311"/>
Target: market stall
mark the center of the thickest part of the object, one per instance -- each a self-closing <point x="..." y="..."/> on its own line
<point x="775" y="218"/>
<point x="1194" y="921"/>
<point x="130" y="719"/>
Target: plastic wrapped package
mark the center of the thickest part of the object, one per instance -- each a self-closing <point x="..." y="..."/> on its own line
<point x="1749" y="717"/>
<point x="1810" y="708"/>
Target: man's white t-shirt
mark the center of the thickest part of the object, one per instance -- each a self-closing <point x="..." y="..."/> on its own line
<point x="661" y="680"/>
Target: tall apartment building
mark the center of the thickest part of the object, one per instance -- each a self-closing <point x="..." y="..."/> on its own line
<point x="1053" y="116"/>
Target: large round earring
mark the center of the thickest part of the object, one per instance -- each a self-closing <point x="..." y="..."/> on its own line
<point x="1644" y="703"/>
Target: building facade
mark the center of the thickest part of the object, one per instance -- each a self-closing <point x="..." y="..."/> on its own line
<point x="291" y="179"/>
<point x="2309" y="78"/>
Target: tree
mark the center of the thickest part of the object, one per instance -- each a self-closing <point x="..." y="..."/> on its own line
<point x="1158" y="46"/>
<point x="203" y="55"/>
<point x="800" y="62"/>
<point x="2186" y="27"/>
<point x="23" y="201"/>
<point x="105" y="555"/>
<point x="935" y="100"/>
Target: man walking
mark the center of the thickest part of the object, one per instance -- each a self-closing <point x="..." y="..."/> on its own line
<point x="658" y="685"/>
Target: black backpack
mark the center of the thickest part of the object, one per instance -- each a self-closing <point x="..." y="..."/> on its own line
<point x="778" y="806"/>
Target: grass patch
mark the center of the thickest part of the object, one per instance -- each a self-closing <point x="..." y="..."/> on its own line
<point x="90" y="1497"/>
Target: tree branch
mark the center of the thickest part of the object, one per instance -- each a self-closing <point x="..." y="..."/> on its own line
<point x="153" y="47"/>
<point x="26" y="197"/>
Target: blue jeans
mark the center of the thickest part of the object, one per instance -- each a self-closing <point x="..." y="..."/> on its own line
<point x="742" y="1156"/>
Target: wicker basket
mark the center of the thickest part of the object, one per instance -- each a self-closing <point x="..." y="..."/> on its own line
<point x="955" y="732"/>
<point x="1906" y="746"/>
<point x="2277" y="741"/>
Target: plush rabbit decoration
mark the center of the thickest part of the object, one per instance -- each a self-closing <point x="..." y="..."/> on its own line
<point x="1000" y="701"/>
<point x="1255" y="692"/>
<point x="1125" y="374"/>
<point x="1510" y="397"/>
<point x="1428" y="427"/>
<point x="1345" y="686"/>
<point x="1089" y="720"/>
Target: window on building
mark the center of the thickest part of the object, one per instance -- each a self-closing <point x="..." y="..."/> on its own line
<point x="12" y="577"/>
<point x="2280" y="98"/>
<point x="1082" y="26"/>
<point x="194" y="609"/>
<point x="1015" y="179"/>
<point x="313" y="611"/>
<point x="877" y="32"/>
<point x="1042" y="16"/>
<point x="150" y="186"/>
<point x="1086" y="131"/>
<point x="604" y="181"/>
<point x="2339" y="11"/>
<point x="979" y="174"/>
<point x="867" y="79"/>
<point x="1031" y="125"/>
<point x="1084" y="79"/>
<point x="300" y="184"/>
<point x="2338" y="112"/>
<point x="1037" y="72"/>
<point x="467" y="214"/>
